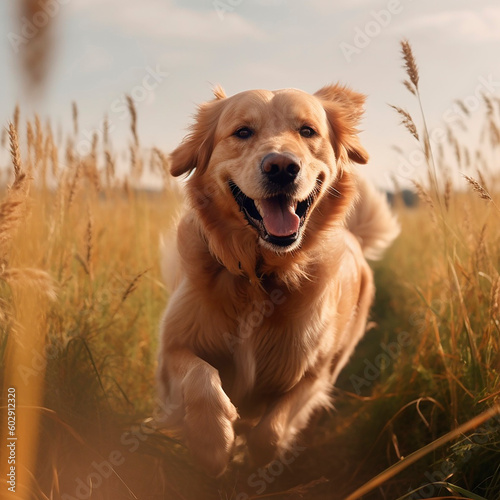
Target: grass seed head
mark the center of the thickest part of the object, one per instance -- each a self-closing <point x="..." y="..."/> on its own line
<point x="447" y="192"/>
<point x="17" y="113"/>
<point x="463" y="107"/>
<point x="15" y="152"/>
<point x="483" y="193"/>
<point x="133" y="119"/>
<point x="410" y="64"/>
<point x="407" y="121"/>
<point x="495" y="299"/>
<point x="74" y="112"/>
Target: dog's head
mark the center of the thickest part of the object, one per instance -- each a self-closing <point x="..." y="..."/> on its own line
<point x="263" y="162"/>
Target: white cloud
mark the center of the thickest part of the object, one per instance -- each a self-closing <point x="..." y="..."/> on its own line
<point x="480" y="25"/>
<point x="162" y="19"/>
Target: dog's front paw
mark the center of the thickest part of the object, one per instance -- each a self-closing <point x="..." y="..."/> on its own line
<point x="264" y="442"/>
<point x="208" y="427"/>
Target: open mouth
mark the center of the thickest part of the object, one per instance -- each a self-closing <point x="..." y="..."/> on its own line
<point x="279" y="218"/>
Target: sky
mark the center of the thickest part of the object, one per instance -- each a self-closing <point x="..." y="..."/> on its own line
<point x="168" y="55"/>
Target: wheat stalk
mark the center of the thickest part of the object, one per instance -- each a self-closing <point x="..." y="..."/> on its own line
<point x="30" y="136"/>
<point x="92" y="174"/>
<point x="411" y="68"/>
<point x="54" y="156"/>
<point x="478" y="188"/>
<point x="45" y="160"/>
<point x="13" y="208"/>
<point x="494" y="133"/>
<point x="69" y="153"/>
<point x="74" y="112"/>
<point x="410" y="65"/>
<point x="407" y="121"/>
<point x="164" y="160"/>
<point x="15" y="152"/>
<point x="495" y="299"/>
<point x="126" y="187"/>
<point x="136" y="164"/>
<point x="89" y="243"/>
<point x="426" y="198"/>
<point x="12" y="211"/>
<point x="34" y="278"/>
<point x="482" y="180"/>
<point x="17" y="113"/>
<point x="410" y="87"/>
<point x="488" y="103"/>
<point x="481" y="252"/>
<point x="105" y="131"/>
<point x="133" y="118"/>
<point x="110" y="167"/>
<point x="447" y="192"/>
<point x="132" y="286"/>
<point x="423" y="194"/>
<point x="458" y="153"/>
<point x="95" y="143"/>
<point x="74" y="186"/>
<point x="422" y="452"/>
<point x="164" y="166"/>
<point x="463" y="107"/>
<point x="38" y="140"/>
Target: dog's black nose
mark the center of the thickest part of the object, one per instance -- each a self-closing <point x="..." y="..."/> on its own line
<point x="280" y="168"/>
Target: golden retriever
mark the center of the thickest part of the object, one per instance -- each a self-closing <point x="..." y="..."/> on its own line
<point x="273" y="290"/>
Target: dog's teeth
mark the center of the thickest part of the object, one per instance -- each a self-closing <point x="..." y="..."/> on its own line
<point x="258" y="206"/>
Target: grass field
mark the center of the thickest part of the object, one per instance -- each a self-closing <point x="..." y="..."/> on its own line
<point x="81" y="296"/>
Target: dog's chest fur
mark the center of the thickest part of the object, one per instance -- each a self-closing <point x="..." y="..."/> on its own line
<point x="272" y="341"/>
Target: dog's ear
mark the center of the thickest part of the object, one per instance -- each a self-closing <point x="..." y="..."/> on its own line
<point x="195" y="150"/>
<point x="344" y="108"/>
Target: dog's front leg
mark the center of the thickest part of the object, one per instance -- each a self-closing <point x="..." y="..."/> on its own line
<point x="287" y="416"/>
<point x="208" y="412"/>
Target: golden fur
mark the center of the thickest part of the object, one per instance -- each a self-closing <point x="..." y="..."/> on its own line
<point x="257" y="330"/>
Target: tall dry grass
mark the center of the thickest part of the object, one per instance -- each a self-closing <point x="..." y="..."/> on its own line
<point x="448" y="259"/>
<point x="81" y="296"/>
<point x="22" y="309"/>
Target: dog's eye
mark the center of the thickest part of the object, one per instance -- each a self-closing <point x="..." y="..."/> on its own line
<point x="306" y="131"/>
<point x="243" y="133"/>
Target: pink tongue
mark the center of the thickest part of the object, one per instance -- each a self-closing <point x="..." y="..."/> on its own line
<point x="279" y="217"/>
